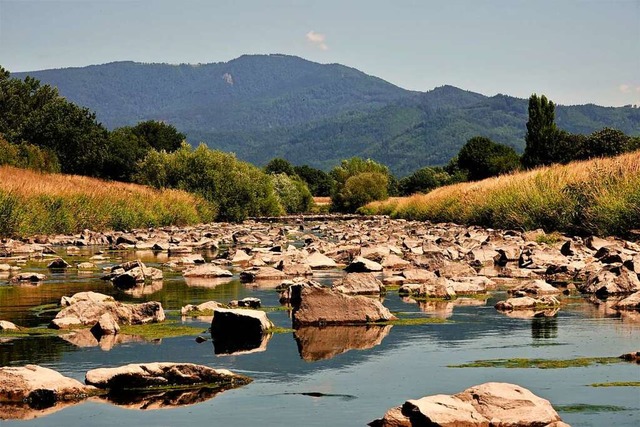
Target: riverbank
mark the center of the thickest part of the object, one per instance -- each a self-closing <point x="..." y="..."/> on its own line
<point x="600" y="197"/>
<point x="39" y="203"/>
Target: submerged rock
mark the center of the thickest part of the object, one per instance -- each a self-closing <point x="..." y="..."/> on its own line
<point x="484" y="405"/>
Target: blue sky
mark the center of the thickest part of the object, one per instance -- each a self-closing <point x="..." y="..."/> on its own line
<point x="573" y="51"/>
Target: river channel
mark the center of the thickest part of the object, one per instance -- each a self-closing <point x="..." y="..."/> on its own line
<point x="331" y="376"/>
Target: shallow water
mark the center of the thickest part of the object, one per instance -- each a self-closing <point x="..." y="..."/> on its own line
<point x="312" y="377"/>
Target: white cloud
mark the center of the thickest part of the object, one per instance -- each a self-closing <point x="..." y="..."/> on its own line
<point x="624" y="88"/>
<point x="317" y="40"/>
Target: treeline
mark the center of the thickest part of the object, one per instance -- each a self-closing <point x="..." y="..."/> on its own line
<point x="41" y="130"/>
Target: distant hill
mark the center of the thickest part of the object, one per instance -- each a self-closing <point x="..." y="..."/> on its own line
<point x="262" y="106"/>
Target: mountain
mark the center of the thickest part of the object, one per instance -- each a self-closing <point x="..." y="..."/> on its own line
<point x="263" y="106"/>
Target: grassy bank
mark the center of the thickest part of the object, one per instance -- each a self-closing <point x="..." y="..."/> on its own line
<point x="599" y="196"/>
<point x="37" y="203"/>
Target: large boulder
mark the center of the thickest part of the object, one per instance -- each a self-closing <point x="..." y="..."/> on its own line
<point x="484" y="405"/>
<point x="363" y="265"/>
<point x="316" y="305"/>
<point x="131" y="274"/>
<point x="359" y="284"/>
<point x="527" y="303"/>
<point x="632" y="302"/>
<point x="58" y="263"/>
<point x="5" y="325"/>
<point x="39" y="387"/>
<point x="535" y="287"/>
<point x="612" y="279"/>
<point x="207" y="271"/>
<point x="88" y="313"/>
<point x="166" y="375"/>
<point x="319" y="261"/>
<point x="205" y="307"/>
<point x="90" y="296"/>
<point x="440" y="288"/>
<point x="239" y="330"/>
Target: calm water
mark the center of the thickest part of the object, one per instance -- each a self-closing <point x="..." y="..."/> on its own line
<point x="389" y="366"/>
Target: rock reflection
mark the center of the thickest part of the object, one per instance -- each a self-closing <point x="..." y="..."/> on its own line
<point x="531" y="314"/>
<point x="166" y="399"/>
<point x="207" y="282"/>
<point x="84" y="338"/>
<point x="444" y="309"/>
<point x="22" y="411"/>
<point x="145" y="289"/>
<point x="544" y="327"/>
<point x="315" y="343"/>
<point x="233" y="345"/>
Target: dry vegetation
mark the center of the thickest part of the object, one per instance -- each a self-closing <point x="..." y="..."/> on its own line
<point x="600" y="196"/>
<point x="33" y="203"/>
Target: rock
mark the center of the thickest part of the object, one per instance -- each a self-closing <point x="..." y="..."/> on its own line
<point x="292" y="269"/>
<point x="527" y="303"/>
<point x="394" y="262"/>
<point x="320" y="306"/>
<point x="7" y="326"/>
<point x="485" y="405"/>
<point x="204" y="307"/>
<point x="28" y="277"/>
<point x="240" y="257"/>
<point x="248" y="302"/>
<point x="106" y="325"/>
<point x="509" y="405"/>
<point x="359" y="284"/>
<point x="535" y="287"/>
<point x="89" y="312"/>
<point x="325" y="343"/>
<point x="191" y="260"/>
<point x="5" y="267"/>
<point x="612" y="279"/>
<point x="318" y="261"/>
<point x="631" y="357"/>
<point x="86" y="266"/>
<point x="239" y="330"/>
<point x="94" y="297"/>
<point x="363" y="265"/>
<point x="58" y="263"/>
<point x="439" y="288"/>
<point x="470" y="285"/>
<point x="419" y="276"/>
<point x="132" y="273"/>
<point x="207" y="270"/>
<point x="596" y="243"/>
<point x="375" y="253"/>
<point x="262" y="273"/>
<point x="166" y="375"/>
<point x="632" y="302"/>
<point x="39" y="387"/>
<point x="453" y="270"/>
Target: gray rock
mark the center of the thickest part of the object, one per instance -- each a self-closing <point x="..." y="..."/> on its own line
<point x="359" y="284"/>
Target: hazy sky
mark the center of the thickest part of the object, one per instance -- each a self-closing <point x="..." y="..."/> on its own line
<point x="573" y="51"/>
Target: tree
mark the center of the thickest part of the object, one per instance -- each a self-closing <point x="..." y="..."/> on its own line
<point x="279" y="165"/>
<point x="125" y="150"/>
<point x="605" y="143"/>
<point x="318" y="181"/>
<point x="424" y="180"/>
<point x="372" y="185"/>
<point x="293" y="193"/>
<point x="483" y="158"/>
<point x="541" y="133"/>
<point x="159" y="135"/>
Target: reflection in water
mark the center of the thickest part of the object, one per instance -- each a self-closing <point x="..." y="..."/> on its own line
<point x="531" y="314"/>
<point x="544" y="327"/>
<point x="167" y="399"/>
<point x="316" y="343"/>
<point x="145" y="289"/>
<point x="22" y="411"/>
<point x="444" y="309"/>
<point x="32" y="350"/>
<point x="84" y="338"/>
<point x="233" y="344"/>
<point x="207" y="282"/>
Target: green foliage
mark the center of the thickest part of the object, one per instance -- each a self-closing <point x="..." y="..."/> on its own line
<point x="158" y="135"/>
<point x="293" y="193"/>
<point x="318" y="181"/>
<point x="482" y="158"/>
<point x="239" y="189"/>
<point x="424" y="180"/>
<point x="279" y="165"/>
<point x="541" y="133"/>
<point x="606" y="142"/>
<point x="28" y="156"/>
<point x="358" y="182"/>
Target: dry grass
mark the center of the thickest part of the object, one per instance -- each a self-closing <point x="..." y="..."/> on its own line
<point x="600" y="196"/>
<point x="33" y="203"/>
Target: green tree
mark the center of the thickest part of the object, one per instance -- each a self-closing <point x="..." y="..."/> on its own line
<point x="293" y="193"/>
<point x="606" y="142"/>
<point x="482" y="158"/>
<point x="318" y="181"/>
<point x="424" y="180"/>
<point x="349" y="198"/>
<point x="542" y="133"/>
<point x="159" y="135"/>
<point x="279" y="165"/>
<point x="125" y="150"/>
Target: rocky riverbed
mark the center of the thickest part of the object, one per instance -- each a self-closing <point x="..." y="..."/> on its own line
<point x="343" y="285"/>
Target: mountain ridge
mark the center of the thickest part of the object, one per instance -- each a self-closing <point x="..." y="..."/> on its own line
<point x="262" y="106"/>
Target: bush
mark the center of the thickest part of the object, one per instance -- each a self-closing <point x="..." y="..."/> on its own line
<point x="28" y="156"/>
<point x="371" y="184"/>
<point x="293" y="193"/>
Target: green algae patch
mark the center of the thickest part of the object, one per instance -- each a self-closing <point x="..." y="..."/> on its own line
<point x="31" y="332"/>
<point x="275" y="308"/>
<point x="408" y="321"/>
<point x="199" y="313"/>
<point x="617" y="384"/>
<point x="518" y="363"/>
<point x="279" y="330"/>
<point x="166" y="329"/>
<point x="583" y="407"/>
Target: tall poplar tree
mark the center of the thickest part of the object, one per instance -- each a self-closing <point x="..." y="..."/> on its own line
<point x="541" y="133"/>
